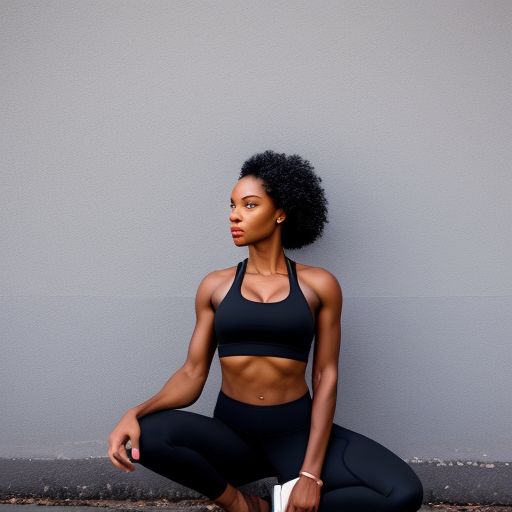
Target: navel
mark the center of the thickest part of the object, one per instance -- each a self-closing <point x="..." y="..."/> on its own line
<point x="261" y="397"/>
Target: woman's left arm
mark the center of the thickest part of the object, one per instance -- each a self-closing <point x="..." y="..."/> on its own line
<point x="325" y="370"/>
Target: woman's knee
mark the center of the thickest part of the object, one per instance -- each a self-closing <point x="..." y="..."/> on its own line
<point x="382" y="470"/>
<point x="174" y="428"/>
<point x="157" y="429"/>
<point x="408" y="497"/>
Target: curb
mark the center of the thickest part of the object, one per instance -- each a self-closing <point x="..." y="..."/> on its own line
<point x="449" y="482"/>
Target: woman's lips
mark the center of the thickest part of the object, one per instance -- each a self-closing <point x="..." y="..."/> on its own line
<point x="236" y="232"/>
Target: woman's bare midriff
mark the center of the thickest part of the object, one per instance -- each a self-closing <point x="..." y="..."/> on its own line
<point x="263" y="380"/>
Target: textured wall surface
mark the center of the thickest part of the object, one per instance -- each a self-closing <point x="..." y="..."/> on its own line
<point x="123" y="129"/>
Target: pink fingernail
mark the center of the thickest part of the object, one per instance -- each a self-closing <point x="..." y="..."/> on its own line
<point x="135" y="453"/>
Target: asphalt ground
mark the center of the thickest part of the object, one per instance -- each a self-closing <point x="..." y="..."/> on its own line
<point x="189" y="505"/>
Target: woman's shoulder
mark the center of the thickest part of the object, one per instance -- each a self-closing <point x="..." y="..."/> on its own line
<point x="318" y="278"/>
<point x="213" y="281"/>
<point x="214" y="277"/>
<point x="317" y="272"/>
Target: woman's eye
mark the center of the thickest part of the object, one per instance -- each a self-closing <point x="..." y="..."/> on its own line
<point x="248" y="204"/>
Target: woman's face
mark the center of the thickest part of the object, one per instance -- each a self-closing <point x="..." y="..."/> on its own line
<point x="253" y="212"/>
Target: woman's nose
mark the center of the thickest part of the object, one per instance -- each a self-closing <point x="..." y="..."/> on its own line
<point x="234" y="215"/>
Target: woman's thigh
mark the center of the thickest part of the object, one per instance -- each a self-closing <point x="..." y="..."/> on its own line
<point x="287" y="453"/>
<point x="210" y="438"/>
<point x="370" y="462"/>
<point x="351" y="459"/>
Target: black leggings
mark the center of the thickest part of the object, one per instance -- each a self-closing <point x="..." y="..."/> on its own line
<point x="243" y="443"/>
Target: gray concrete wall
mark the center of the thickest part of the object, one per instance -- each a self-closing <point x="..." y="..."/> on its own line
<point x="123" y="128"/>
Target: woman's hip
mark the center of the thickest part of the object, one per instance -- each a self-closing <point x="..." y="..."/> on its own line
<point x="263" y="421"/>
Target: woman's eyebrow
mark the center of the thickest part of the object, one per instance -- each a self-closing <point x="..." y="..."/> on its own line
<point x="245" y="197"/>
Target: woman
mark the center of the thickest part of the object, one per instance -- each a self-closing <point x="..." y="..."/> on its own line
<point x="262" y="316"/>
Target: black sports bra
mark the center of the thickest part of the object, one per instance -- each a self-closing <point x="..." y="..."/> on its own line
<point x="246" y="327"/>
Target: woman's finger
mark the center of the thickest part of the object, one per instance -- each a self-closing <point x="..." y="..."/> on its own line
<point x="115" y="462"/>
<point x="126" y="464"/>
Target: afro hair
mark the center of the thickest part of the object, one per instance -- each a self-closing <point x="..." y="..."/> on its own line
<point x="291" y="181"/>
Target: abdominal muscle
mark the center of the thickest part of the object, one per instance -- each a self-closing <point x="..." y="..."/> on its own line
<point x="263" y="380"/>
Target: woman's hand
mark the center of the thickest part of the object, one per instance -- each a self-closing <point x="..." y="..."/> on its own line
<point x="127" y="429"/>
<point x="305" y="496"/>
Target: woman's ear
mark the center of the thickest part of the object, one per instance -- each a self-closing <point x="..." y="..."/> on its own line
<point x="281" y="217"/>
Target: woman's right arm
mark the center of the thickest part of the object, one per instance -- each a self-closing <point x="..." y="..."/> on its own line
<point x="183" y="388"/>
